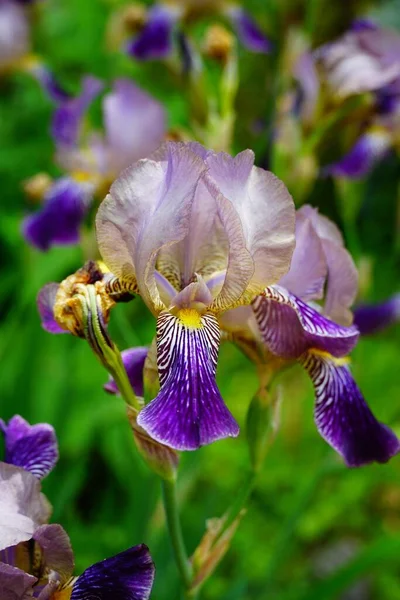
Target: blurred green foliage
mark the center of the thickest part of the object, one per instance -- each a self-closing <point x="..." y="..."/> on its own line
<point x="313" y="528"/>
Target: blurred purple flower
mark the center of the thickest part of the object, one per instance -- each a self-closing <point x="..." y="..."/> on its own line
<point x="371" y="318"/>
<point x="293" y="327"/>
<point x="14" y="34"/>
<point x="133" y="359"/>
<point x="194" y="251"/>
<point x="134" y="126"/>
<point x="155" y="41"/>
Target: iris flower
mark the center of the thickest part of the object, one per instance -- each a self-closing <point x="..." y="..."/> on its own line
<point x="134" y="126"/>
<point x="156" y="38"/>
<point x="195" y="233"/>
<point x="366" y="59"/>
<point x="36" y="558"/>
<point x="287" y="322"/>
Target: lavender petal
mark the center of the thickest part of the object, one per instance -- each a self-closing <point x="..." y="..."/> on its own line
<point x="133" y="359"/>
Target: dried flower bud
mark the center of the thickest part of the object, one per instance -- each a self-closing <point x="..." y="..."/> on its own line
<point x="36" y="187"/>
<point x="218" y="43"/>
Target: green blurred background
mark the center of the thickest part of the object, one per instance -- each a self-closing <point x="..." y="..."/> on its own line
<point x="314" y="529"/>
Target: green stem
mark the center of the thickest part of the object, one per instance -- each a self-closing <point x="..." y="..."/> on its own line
<point x="240" y="502"/>
<point x="175" y="532"/>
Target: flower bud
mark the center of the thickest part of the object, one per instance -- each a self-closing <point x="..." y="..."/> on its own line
<point x="218" y="44"/>
<point x="36" y="187"/>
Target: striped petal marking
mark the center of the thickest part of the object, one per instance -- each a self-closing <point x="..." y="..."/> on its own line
<point x="342" y="416"/>
<point x="289" y="326"/>
<point x="126" y="576"/>
<point x="188" y="411"/>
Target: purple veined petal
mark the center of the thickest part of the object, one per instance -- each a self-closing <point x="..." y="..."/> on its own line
<point x="372" y="318"/>
<point x="133" y="359"/>
<point x="22" y="506"/>
<point x="135" y="123"/>
<point x="126" y="576"/>
<point x="148" y="208"/>
<point x="14" y="33"/>
<point x="342" y="416"/>
<point x="369" y="149"/>
<point x="258" y="216"/>
<point x="155" y="40"/>
<point x="57" y="550"/>
<point x="289" y="327"/>
<point x="32" y="447"/>
<point x="308" y="269"/>
<point x="68" y="116"/>
<point x="58" y="221"/>
<point x="188" y="411"/>
<point x="248" y="31"/>
<point x="15" y="584"/>
<point x="45" y="302"/>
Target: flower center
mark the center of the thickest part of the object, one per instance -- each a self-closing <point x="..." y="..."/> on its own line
<point x="189" y="317"/>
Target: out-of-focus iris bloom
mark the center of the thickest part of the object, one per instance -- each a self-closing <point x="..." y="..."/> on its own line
<point x="156" y="38"/>
<point x="366" y="59"/>
<point x="372" y="318"/>
<point x="195" y="233"/>
<point x="288" y="322"/>
<point x="36" y="558"/>
<point x="15" y="48"/>
<point x="133" y="126"/>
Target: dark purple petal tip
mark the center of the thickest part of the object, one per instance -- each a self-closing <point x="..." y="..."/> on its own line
<point x="45" y="302"/>
<point x="59" y="220"/>
<point x="189" y="411"/>
<point x="126" y="576"/>
<point x="289" y="326"/>
<point x="362" y="157"/>
<point x="32" y="447"/>
<point x="342" y="416"/>
<point x="372" y="318"/>
<point x="133" y="359"/>
<point x="248" y="32"/>
<point x="155" y="40"/>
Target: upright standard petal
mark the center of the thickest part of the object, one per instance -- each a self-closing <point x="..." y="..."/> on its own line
<point x="126" y="576"/>
<point x="371" y="318"/>
<point x="135" y="123"/>
<point x="257" y="213"/>
<point x="22" y="506"/>
<point x="248" y="31"/>
<point x="308" y="269"/>
<point x="148" y="208"/>
<point x="32" y="447"/>
<point x="45" y="302"/>
<point x="369" y="149"/>
<point x="289" y="326"/>
<point x="68" y="117"/>
<point x="133" y="359"/>
<point x="56" y="550"/>
<point x="155" y="40"/>
<point x="189" y="411"/>
<point x="342" y="416"/>
<point x="15" y="584"/>
<point x="59" y="220"/>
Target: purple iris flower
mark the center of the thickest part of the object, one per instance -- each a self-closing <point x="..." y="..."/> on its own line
<point x="26" y="536"/>
<point x="372" y="318"/>
<point x="196" y="233"/>
<point x="293" y="327"/>
<point x="134" y="126"/>
<point x="156" y="38"/>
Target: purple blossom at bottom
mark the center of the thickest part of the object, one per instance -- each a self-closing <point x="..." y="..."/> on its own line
<point x="371" y="318"/>
<point x="155" y="40"/>
<point x="189" y="411"/>
<point x="126" y="576"/>
<point x="342" y="416"/>
<point x="248" y="31"/>
<point x="58" y="221"/>
<point x="32" y="447"/>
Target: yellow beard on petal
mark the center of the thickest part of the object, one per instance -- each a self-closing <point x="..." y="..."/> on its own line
<point x="189" y="317"/>
<point x="339" y="362"/>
